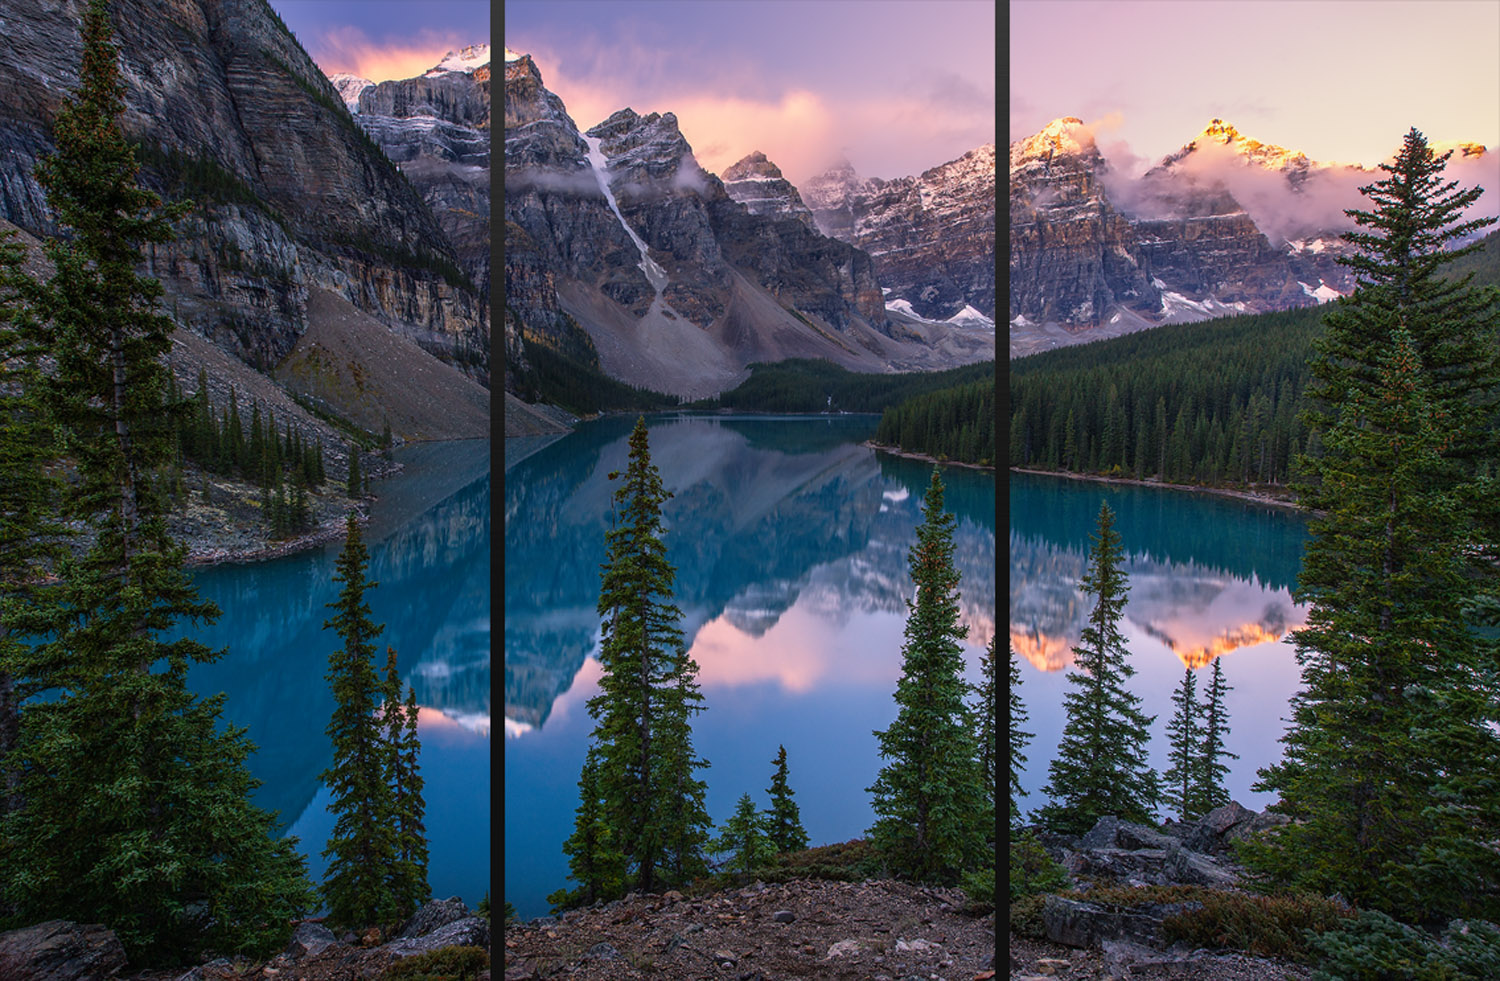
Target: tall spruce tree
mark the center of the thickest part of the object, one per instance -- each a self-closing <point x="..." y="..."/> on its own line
<point x="649" y="798"/>
<point x="1018" y="738"/>
<point x="986" y="719"/>
<point x="1184" y="748"/>
<point x="363" y="845"/>
<point x="408" y="872"/>
<point x="783" y="819"/>
<point x="1209" y="790"/>
<point x="1390" y="760"/>
<point x="1101" y="766"/>
<point x="929" y="798"/>
<point x="595" y="862"/>
<point x="135" y="803"/>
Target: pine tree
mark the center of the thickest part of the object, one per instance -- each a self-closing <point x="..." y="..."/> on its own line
<point x="984" y="712"/>
<point x="29" y="495"/>
<point x="408" y="875"/>
<point x="255" y="453"/>
<point x="745" y="838"/>
<point x="648" y="693"/>
<point x="783" y="820"/>
<point x="1101" y="765"/>
<point x="1018" y="738"/>
<point x="364" y="842"/>
<point x="929" y="798"/>
<point x="1209" y="790"/>
<point x="1181" y="780"/>
<point x="1390" y="759"/>
<point x="594" y="859"/>
<point x="136" y="802"/>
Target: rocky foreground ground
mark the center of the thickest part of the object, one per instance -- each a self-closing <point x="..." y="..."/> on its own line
<point x="874" y="930"/>
<point x="63" y="951"/>
<point x="1075" y="936"/>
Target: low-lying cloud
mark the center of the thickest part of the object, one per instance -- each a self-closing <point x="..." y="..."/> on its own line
<point x="1281" y="208"/>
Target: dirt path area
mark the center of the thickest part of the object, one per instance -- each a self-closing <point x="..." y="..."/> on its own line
<point x="840" y="931"/>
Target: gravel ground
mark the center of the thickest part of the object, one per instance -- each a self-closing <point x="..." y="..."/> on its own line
<point x="841" y="931"/>
<point x="1034" y="959"/>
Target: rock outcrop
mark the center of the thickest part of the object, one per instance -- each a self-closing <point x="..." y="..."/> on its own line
<point x="58" y="950"/>
<point x="932" y="236"/>
<point x="759" y="185"/>
<point x="291" y="195"/>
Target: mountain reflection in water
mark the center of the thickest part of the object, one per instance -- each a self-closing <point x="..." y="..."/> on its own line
<point x="790" y="542"/>
<point x="1209" y="577"/>
<point x="429" y="543"/>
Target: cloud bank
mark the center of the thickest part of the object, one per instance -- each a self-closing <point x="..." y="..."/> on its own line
<point x="349" y="49"/>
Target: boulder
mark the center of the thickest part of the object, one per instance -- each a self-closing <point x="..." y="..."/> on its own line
<point x="1208" y="833"/>
<point x="1111" y="832"/>
<point x="469" y="932"/>
<point x="438" y="913"/>
<point x="310" y="939"/>
<point x="59" y="950"/>
<point x="1081" y="923"/>
<point x="1182" y="867"/>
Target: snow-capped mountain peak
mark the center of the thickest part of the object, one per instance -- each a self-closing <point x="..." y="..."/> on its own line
<point x="1065" y="136"/>
<point x="1266" y="155"/>
<point x="465" y="59"/>
<point x="513" y="55"/>
<point x="349" y="87"/>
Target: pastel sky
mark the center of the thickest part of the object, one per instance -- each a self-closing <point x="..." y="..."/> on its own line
<point x="895" y="86"/>
<point x="384" y="39"/>
<point x="1340" y="81"/>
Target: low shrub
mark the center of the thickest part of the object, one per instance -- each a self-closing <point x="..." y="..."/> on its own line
<point x="1026" y="917"/>
<point x="845" y="861"/>
<point x="1032" y="870"/>
<point x="1265" y="926"/>
<point x="979" y="887"/>
<point x="1375" y="947"/>
<point x="444" y="964"/>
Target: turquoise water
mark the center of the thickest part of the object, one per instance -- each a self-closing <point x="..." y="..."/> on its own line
<point x="790" y="542"/>
<point x="1210" y="577"/>
<point x="429" y="542"/>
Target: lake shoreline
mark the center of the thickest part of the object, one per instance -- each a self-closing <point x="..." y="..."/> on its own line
<point x="896" y="451"/>
<point x="1256" y="497"/>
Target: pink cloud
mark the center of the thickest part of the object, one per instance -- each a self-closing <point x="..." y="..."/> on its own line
<point x="348" y="49"/>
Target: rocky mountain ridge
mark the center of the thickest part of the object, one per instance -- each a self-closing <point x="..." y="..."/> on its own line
<point x="292" y="198"/>
<point x="622" y="251"/>
<point x="932" y="236"/>
<point x="1226" y="224"/>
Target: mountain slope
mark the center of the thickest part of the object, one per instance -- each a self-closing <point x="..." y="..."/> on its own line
<point x="621" y="235"/>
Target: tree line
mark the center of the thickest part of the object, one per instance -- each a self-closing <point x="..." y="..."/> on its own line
<point x="124" y="796"/>
<point x="641" y="822"/>
<point x="949" y="424"/>
<point x="1219" y="402"/>
<point x="812" y="385"/>
<point x="1389" y="762"/>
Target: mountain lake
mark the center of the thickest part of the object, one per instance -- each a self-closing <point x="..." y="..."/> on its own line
<point x="429" y="543"/>
<point x="1209" y="575"/>
<point x="789" y="538"/>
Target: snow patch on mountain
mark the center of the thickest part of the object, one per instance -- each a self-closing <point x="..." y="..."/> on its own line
<point x="465" y="59"/>
<point x="349" y="87"/>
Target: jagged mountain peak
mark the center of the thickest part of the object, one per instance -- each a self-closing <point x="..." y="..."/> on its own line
<point x="1065" y="136"/>
<point x="467" y="60"/>
<point x="1252" y="152"/>
<point x="753" y="164"/>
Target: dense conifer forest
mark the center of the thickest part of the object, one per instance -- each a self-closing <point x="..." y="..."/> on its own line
<point x="804" y="385"/>
<point x="952" y="423"/>
<point x="1215" y="403"/>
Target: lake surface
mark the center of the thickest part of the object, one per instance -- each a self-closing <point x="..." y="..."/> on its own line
<point x="429" y="542"/>
<point x="790" y="540"/>
<point x="1210" y="577"/>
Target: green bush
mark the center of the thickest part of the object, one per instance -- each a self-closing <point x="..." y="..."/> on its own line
<point x="1374" y="947"/>
<point x="1032" y="870"/>
<point x="1265" y="926"/>
<point x="444" y="964"/>
<point x="1026" y="916"/>
<point x="979" y="886"/>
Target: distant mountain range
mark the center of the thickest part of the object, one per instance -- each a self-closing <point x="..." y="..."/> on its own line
<point x="1224" y="225"/>
<point x="622" y="253"/>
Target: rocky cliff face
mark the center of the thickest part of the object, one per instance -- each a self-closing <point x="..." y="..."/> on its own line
<point x="292" y="195"/>
<point x="758" y="184"/>
<point x="932" y="236"/>
<point x="677" y="285"/>
<point x="436" y="129"/>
